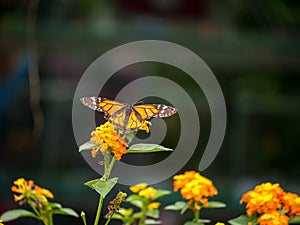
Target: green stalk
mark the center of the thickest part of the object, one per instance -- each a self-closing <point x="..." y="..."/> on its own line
<point x="38" y="215"/>
<point x="109" y="218"/>
<point x="196" y="215"/>
<point x="46" y="217"/>
<point x="111" y="165"/>
<point x="32" y="205"/>
<point x="107" y="172"/>
<point x="106" y="160"/>
<point x="143" y="218"/>
<point x="44" y="221"/>
<point x="99" y="210"/>
<point x="50" y="219"/>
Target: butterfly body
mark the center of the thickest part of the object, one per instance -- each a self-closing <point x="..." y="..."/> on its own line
<point x="125" y="116"/>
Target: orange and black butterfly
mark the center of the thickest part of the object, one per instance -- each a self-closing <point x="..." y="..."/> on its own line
<point x="127" y="117"/>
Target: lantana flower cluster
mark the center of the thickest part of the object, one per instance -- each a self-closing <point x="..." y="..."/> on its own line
<point x="27" y="191"/>
<point x="108" y="139"/>
<point x="272" y="203"/>
<point x="195" y="188"/>
<point x="273" y="218"/>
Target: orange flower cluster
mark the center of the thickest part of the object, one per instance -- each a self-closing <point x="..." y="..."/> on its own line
<point x="108" y="139"/>
<point x="291" y="204"/>
<point x="273" y="218"/>
<point x="268" y="200"/>
<point x="195" y="188"/>
<point x="265" y="198"/>
<point x="28" y="191"/>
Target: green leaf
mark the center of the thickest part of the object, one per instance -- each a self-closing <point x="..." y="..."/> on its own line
<point x="137" y="203"/>
<point x="117" y="216"/>
<point x="214" y="204"/>
<point x="294" y="219"/>
<point x="104" y="187"/>
<point x="138" y="215"/>
<point x="54" y="205"/>
<point x="15" y="214"/>
<point x="125" y="212"/>
<point x="153" y="213"/>
<point x="88" y="146"/>
<point x="65" y="211"/>
<point x="125" y="215"/>
<point x="147" y="148"/>
<point x="128" y="220"/>
<point x="92" y="182"/>
<point x="135" y="200"/>
<point x="149" y="221"/>
<point x="160" y="193"/>
<point x="177" y="206"/>
<point x="186" y="207"/>
<point x="243" y="220"/>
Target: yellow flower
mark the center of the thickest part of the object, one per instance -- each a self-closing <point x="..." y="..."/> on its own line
<point x="273" y="218"/>
<point x="264" y="198"/>
<point x="1" y="222"/>
<point x="195" y="188"/>
<point x="145" y="126"/>
<point x="109" y="140"/>
<point x="24" y="188"/>
<point x="218" y="223"/>
<point x="291" y="204"/>
<point x="153" y="205"/>
<point x="27" y="190"/>
<point x="137" y="188"/>
<point x="42" y="191"/>
<point x="148" y="192"/>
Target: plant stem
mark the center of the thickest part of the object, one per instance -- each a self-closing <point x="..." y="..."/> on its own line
<point x="34" y="209"/>
<point x="107" y="172"/>
<point x="196" y="215"/>
<point x="106" y="160"/>
<point x="109" y="218"/>
<point x="143" y="218"/>
<point x="99" y="210"/>
<point x="50" y="219"/>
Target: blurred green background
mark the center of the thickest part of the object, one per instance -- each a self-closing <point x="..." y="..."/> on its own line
<point x="251" y="46"/>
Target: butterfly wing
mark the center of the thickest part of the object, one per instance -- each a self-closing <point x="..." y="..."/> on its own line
<point x="134" y="121"/>
<point x="140" y="113"/>
<point x="111" y="109"/>
<point x="119" y="118"/>
<point x="148" y="111"/>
